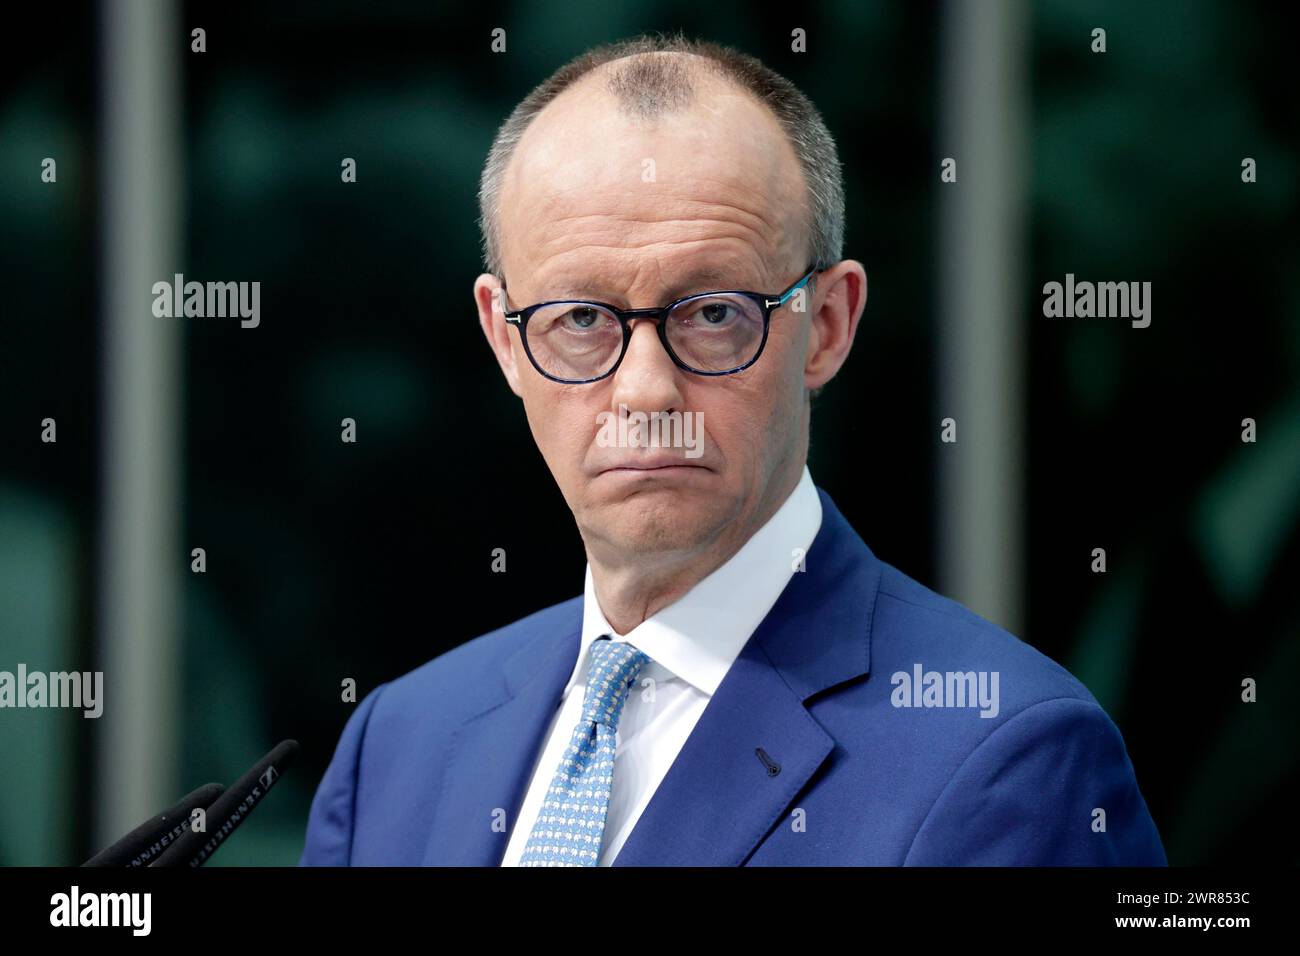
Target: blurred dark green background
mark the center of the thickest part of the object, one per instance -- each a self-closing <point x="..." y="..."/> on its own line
<point x="329" y="560"/>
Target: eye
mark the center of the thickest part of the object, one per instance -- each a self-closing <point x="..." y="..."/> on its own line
<point x="581" y="318"/>
<point x="715" y="313"/>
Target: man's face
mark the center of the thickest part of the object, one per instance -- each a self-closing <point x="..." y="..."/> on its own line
<point x="599" y="206"/>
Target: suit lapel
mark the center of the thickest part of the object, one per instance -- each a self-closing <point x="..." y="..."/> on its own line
<point x="491" y="755"/>
<point x="720" y="798"/>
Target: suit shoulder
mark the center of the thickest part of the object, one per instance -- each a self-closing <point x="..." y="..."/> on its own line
<point x="480" y="659"/>
<point x="916" y="625"/>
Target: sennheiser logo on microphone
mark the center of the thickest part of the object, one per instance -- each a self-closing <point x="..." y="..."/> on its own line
<point x="77" y="689"/>
<point x="102" y="909"/>
<point x="236" y="817"/>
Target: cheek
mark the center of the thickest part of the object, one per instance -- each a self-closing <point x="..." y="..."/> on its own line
<point x="562" y="422"/>
<point x="756" y="422"/>
<point x="788" y="369"/>
<point x="792" y="342"/>
<point x="740" y="422"/>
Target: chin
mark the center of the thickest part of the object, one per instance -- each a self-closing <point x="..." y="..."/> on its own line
<point x="656" y="521"/>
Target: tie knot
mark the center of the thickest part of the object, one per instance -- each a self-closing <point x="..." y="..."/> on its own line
<point x="613" y="669"/>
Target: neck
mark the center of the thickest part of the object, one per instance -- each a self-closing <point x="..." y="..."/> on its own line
<point x="633" y="587"/>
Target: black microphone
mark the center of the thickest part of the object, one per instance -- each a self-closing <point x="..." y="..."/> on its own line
<point x="148" y="841"/>
<point x="230" y="810"/>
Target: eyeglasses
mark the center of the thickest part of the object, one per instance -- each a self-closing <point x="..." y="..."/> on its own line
<point x="711" y="333"/>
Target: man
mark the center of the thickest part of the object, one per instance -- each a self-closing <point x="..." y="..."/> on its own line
<point x="742" y="682"/>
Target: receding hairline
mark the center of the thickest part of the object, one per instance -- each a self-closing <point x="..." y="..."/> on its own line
<point x="648" y="92"/>
<point x="643" y="87"/>
<point x="653" y="83"/>
<point x="648" y="86"/>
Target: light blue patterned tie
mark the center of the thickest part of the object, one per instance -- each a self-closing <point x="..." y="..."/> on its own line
<point x="571" y="822"/>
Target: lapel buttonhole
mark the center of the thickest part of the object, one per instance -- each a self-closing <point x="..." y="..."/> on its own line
<point x="773" y="768"/>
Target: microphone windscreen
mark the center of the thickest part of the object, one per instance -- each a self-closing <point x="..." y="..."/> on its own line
<point x="150" y="839"/>
<point x="230" y="809"/>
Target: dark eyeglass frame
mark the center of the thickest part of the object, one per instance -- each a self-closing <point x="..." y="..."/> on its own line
<point x="768" y="303"/>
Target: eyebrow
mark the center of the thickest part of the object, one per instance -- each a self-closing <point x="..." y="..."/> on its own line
<point x="696" y="280"/>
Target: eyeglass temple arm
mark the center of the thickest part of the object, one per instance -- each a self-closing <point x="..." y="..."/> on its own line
<point x="784" y="297"/>
<point x="510" y="315"/>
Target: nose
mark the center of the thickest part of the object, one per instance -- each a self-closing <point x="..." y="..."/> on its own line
<point x="647" y="380"/>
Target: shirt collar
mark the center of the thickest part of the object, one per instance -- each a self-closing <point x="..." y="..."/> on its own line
<point x="699" y="636"/>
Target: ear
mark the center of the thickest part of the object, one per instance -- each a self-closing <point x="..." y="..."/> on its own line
<point x="490" y="300"/>
<point x="842" y="294"/>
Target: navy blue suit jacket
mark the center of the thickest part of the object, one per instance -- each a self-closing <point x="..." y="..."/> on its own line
<point x="432" y="767"/>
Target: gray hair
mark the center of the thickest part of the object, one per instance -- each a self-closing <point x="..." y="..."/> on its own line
<point x="651" y="85"/>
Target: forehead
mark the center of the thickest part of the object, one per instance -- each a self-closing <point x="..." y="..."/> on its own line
<point x="711" y="188"/>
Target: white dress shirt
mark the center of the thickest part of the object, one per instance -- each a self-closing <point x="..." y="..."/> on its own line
<point x="692" y="644"/>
